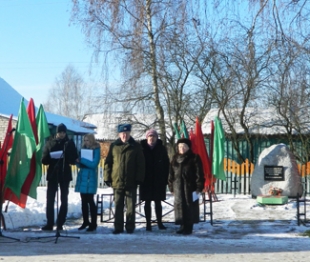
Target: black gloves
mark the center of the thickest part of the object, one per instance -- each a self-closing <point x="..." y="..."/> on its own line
<point x="108" y="183"/>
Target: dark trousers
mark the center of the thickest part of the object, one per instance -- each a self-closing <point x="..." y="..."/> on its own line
<point x="88" y="204"/>
<point x="148" y="211"/>
<point x="120" y="196"/>
<point x="52" y="188"/>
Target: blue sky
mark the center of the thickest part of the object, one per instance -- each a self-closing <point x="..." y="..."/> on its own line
<point x="37" y="43"/>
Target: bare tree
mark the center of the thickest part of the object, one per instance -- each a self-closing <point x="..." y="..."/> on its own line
<point x="69" y="96"/>
<point x="260" y="56"/>
<point x="290" y="96"/>
<point x="286" y="22"/>
<point x="145" y="36"/>
<point x="180" y="58"/>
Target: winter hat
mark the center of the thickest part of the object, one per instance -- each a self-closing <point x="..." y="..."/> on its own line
<point x="124" y="128"/>
<point x="185" y="141"/>
<point x="61" y="128"/>
<point x="151" y="132"/>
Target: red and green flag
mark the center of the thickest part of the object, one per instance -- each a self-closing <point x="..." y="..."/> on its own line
<point x="29" y="180"/>
<point x="176" y="130"/>
<point x="20" y="158"/>
<point x="43" y="133"/>
<point x="6" y="146"/>
<point x="184" y="130"/>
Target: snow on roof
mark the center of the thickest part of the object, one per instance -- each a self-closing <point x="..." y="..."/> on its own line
<point x="10" y="102"/>
<point x="262" y="121"/>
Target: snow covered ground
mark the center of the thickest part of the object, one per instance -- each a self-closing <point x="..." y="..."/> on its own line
<point x="242" y="230"/>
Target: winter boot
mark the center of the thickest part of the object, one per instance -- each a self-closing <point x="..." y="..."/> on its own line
<point x="158" y="210"/>
<point x="148" y="214"/>
<point x="93" y="215"/>
<point x="85" y="216"/>
<point x="181" y="230"/>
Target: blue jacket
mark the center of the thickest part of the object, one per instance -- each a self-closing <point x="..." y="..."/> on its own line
<point x="87" y="179"/>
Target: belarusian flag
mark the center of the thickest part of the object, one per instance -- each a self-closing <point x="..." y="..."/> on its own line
<point x="22" y="150"/>
<point x="6" y="146"/>
<point x="43" y="133"/>
<point x="176" y="130"/>
<point x="29" y="180"/>
<point x="184" y="130"/>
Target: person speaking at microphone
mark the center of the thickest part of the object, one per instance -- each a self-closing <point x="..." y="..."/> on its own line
<point x="58" y="153"/>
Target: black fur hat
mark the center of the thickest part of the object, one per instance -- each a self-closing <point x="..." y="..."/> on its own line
<point x="61" y="128"/>
<point x="185" y="141"/>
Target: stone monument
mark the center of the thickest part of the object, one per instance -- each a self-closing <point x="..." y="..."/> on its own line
<point x="276" y="171"/>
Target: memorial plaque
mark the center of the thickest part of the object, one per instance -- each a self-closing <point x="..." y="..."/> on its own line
<point x="274" y="173"/>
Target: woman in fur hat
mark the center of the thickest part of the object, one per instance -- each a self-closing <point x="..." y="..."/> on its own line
<point x="87" y="181"/>
<point x="185" y="180"/>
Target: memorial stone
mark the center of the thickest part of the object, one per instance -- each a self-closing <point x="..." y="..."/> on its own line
<point x="276" y="168"/>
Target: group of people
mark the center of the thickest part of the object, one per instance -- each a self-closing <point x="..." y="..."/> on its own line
<point x="127" y="165"/>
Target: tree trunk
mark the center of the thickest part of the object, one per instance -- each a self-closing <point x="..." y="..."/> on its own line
<point x="159" y="110"/>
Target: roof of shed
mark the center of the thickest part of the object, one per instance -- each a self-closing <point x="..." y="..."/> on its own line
<point x="10" y="101"/>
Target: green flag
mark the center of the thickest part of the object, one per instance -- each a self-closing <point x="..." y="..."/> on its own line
<point x="20" y="158"/>
<point x="184" y="130"/>
<point x="176" y="130"/>
<point x="218" y="150"/>
<point x="43" y="133"/>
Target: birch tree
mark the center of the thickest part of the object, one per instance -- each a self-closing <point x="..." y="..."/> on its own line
<point x="69" y="96"/>
<point x="140" y="34"/>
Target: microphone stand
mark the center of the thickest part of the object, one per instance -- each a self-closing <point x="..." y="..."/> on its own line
<point x="2" y="222"/>
<point x="57" y="235"/>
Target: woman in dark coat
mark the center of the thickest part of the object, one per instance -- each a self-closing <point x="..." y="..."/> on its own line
<point x="185" y="180"/>
<point x="156" y="177"/>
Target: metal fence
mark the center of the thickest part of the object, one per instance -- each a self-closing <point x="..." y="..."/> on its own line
<point x="75" y="170"/>
<point x="238" y="177"/>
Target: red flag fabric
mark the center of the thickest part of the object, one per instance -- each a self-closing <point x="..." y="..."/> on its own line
<point x="6" y="146"/>
<point x="31" y="111"/>
<point x="22" y="200"/>
<point x="23" y="148"/>
<point x="32" y="117"/>
<point x="199" y="147"/>
<point x="10" y="196"/>
<point x="192" y="138"/>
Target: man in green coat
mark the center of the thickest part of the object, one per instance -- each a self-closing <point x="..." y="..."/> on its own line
<point x="123" y="170"/>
